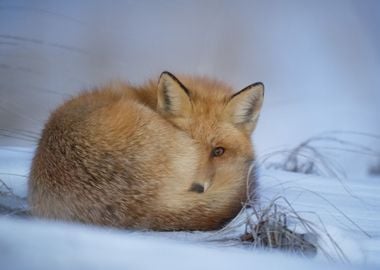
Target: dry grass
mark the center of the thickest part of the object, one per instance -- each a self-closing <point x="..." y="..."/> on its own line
<point x="278" y="226"/>
<point x="375" y="169"/>
<point x="8" y="209"/>
<point x="312" y="156"/>
<point x="20" y="134"/>
<point x="269" y="228"/>
<point x="275" y="227"/>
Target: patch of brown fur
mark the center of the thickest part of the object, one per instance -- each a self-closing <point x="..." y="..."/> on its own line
<point x="108" y="157"/>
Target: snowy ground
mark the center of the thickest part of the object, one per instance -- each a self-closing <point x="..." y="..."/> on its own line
<point x="347" y="211"/>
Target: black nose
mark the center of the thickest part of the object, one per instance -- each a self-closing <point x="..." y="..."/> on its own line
<point x="196" y="187"/>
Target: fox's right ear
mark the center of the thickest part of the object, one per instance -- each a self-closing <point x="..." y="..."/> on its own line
<point x="173" y="98"/>
<point x="244" y="107"/>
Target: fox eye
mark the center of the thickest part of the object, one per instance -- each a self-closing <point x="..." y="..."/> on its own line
<point x="217" y="151"/>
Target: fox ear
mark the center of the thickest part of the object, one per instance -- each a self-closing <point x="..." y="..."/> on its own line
<point x="243" y="109"/>
<point x="173" y="97"/>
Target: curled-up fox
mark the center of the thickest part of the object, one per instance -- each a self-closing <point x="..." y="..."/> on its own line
<point x="172" y="155"/>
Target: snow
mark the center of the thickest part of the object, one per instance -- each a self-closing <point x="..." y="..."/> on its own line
<point x="42" y="245"/>
<point x="347" y="211"/>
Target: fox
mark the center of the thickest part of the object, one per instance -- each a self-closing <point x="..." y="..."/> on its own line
<point x="167" y="156"/>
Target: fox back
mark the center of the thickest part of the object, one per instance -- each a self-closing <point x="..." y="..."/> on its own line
<point x="172" y="155"/>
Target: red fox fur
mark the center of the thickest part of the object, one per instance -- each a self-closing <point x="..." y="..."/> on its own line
<point x="172" y="155"/>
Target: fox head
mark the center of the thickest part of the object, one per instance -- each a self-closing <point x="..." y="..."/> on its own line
<point x="220" y="122"/>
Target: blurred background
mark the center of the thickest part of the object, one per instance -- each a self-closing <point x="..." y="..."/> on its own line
<point x="319" y="60"/>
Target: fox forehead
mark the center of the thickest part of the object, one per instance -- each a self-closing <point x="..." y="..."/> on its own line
<point x="203" y="89"/>
<point x="209" y="98"/>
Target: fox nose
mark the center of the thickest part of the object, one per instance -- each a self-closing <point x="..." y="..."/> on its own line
<point x="200" y="187"/>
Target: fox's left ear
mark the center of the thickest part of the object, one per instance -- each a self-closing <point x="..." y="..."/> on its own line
<point x="244" y="107"/>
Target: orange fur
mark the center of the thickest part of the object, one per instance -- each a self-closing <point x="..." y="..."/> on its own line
<point x="140" y="157"/>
